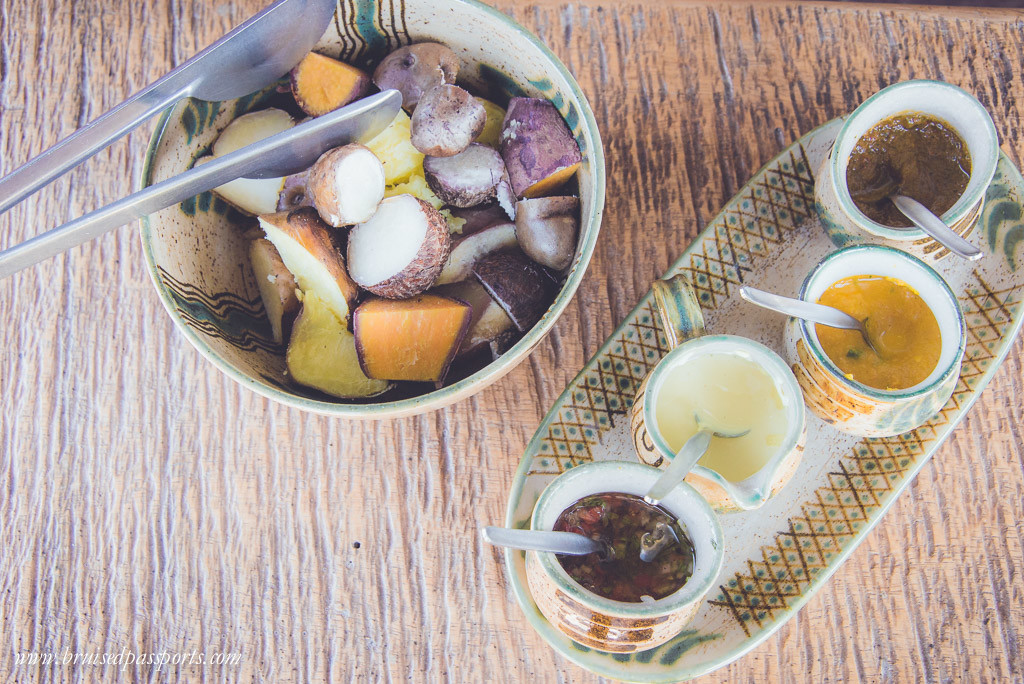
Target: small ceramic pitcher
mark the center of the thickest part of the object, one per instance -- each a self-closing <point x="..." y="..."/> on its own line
<point x="683" y="323"/>
<point x="847" y="404"/>
<point x="617" y="626"/>
<point x="847" y="225"/>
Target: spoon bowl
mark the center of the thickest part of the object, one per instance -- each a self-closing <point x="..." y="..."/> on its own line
<point x="922" y="217"/>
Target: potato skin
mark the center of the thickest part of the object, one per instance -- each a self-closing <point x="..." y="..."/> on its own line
<point x="446" y="121"/>
<point x="304" y="226"/>
<point x="294" y="194"/>
<point x="466" y="179"/>
<point x="546" y="228"/>
<point x="414" y="69"/>
<point x="536" y="145"/>
<point x="322" y="185"/>
<point x="523" y="288"/>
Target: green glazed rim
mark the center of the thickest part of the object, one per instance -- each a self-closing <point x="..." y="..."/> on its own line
<point x="693" y="590"/>
<point x="781" y="375"/>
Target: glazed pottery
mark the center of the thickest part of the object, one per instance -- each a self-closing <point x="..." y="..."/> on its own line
<point x="847" y="225"/>
<point x="683" y="324"/>
<point x="779" y="556"/>
<point x="857" y="408"/>
<point x="616" y="626"/>
<point x="197" y="252"/>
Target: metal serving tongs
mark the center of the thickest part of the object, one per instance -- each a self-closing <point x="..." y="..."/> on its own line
<point x="279" y="155"/>
<point x="252" y="56"/>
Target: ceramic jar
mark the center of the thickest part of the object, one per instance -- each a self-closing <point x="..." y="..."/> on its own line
<point x="846" y="225"/>
<point x="683" y="323"/>
<point x="617" y="626"/>
<point x="847" y="404"/>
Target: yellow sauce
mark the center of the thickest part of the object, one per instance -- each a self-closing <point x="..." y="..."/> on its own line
<point x="729" y="394"/>
<point x="903" y="330"/>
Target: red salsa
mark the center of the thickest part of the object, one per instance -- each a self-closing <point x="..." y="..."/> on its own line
<point x="620" y="520"/>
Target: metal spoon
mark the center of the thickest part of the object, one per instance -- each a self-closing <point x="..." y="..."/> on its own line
<point x="808" y="311"/>
<point x="566" y="543"/>
<point x="279" y="155"/>
<point x="250" y="57"/>
<point x="933" y="226"/>
<point x="652" y="543"/>
<point x="685" y="459"/>
<point x="885" y="185"/>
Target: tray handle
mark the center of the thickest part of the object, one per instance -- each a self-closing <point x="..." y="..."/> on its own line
<point x="678" y="309"/>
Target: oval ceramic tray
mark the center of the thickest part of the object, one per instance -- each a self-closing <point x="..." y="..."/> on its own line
<point x="778" y="556"/>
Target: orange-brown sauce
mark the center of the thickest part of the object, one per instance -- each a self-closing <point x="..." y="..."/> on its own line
<point x="903" y="330"/>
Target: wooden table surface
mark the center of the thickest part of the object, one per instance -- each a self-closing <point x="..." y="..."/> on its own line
<point x="148" y="503"/>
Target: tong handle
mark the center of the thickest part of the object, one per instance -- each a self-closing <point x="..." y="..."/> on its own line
<point x="279" y="155"/>
<point x="87" y="141"/>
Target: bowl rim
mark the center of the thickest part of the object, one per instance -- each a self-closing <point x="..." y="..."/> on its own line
<point x="786" y="385"/>
<point x="683" y="501"/>
<point x="472" y="384"/>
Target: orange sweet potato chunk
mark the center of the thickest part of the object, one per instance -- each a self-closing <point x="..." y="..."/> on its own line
<point x="549" y="184"/>
<point x="321" y="84"/>
<point x="410" y="339"/>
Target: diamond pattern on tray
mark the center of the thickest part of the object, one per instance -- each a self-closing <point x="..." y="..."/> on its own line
<point x="862" y="481"/>
<point x="760" y="221"/>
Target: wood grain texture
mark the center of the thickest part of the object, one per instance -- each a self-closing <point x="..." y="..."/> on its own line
<point x="149" y="503"/>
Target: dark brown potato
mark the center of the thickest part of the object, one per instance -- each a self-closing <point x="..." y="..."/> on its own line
<point x="294" y="193"/>
<point x="447" y="119"/>
<point x="522" y="288"/>
<point x="489" y="321"/>
<point x="479" y="217"/>
<point x="415" y="69"/>
<point x="467" y="250"/>
<point x="466" y="179"/>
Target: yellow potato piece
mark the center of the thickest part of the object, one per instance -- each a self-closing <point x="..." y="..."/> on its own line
<point x="394" y="149"/>
<point x="491" y="134"/>
<point x="322" y="354"/>
<point x="416" y="186"/>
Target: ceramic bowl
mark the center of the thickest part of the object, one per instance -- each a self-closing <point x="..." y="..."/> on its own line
<point x="197" y="251"/>
<point x="847" y="225"/>
<point x="847" y="404"/>
<point x="617" y="626"/>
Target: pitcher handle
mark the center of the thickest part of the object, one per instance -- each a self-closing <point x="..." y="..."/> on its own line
<point x="678" y="309"/>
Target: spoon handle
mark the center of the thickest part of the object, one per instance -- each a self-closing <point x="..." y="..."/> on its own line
<point x="568" y="543"/>
<point x="935" y="227"/>
<point x="681" y="465"/>
<point x="808" y="311"/>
